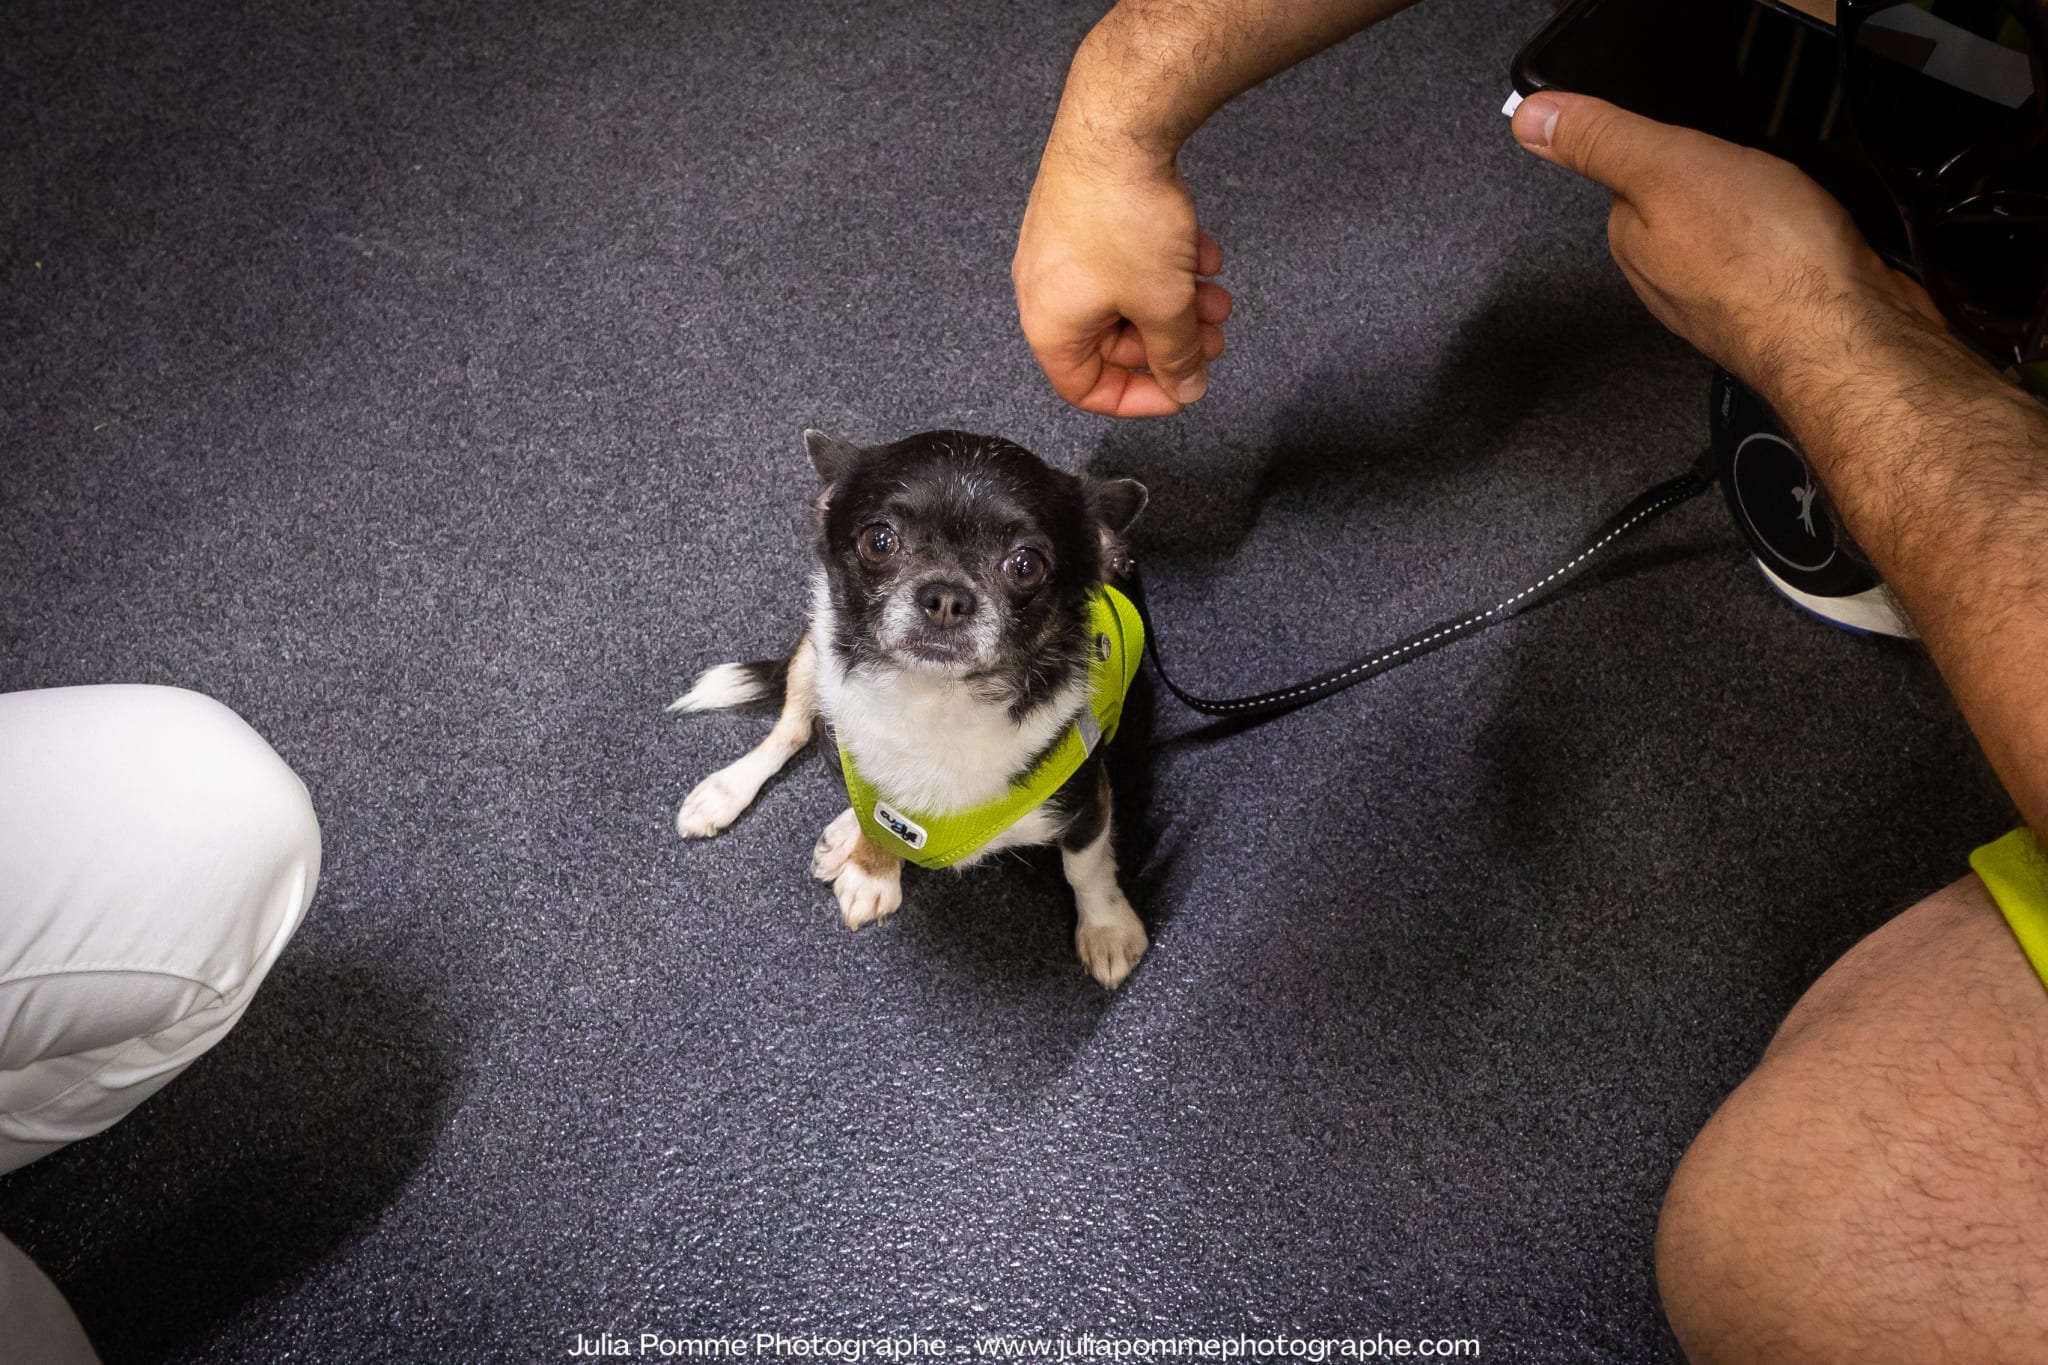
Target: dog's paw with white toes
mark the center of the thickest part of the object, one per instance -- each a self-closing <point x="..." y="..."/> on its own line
<point x="711" y="805"/>
<point x="1110" y="945"/>
<point x="835" y="846"/>
<point x="864" y="897"/>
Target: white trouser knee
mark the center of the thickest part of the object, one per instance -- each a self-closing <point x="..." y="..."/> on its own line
<point x="155" y="856"/>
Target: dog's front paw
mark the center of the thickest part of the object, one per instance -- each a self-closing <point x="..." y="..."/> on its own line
<point x="1110" y="941"/>
<point x="711" y="805"/>
<point x="865" y="897"/>
<point x="835" y="846"/>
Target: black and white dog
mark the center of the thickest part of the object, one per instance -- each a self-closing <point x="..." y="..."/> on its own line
<point x="949" y="654"/>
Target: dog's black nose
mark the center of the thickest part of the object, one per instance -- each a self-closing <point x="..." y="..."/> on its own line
<point x="946" y="604"/>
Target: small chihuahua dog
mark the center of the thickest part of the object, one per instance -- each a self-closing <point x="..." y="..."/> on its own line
<point x="949" y="656"/>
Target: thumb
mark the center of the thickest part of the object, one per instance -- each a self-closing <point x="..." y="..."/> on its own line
<point x="1173" y="352"/>
<point x="1601" y="142"/>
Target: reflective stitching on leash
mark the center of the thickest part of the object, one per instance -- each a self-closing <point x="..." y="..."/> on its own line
<point x="1269" y="698"/>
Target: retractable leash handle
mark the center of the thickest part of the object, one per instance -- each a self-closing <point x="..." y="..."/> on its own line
<point x="1265" y="705"/>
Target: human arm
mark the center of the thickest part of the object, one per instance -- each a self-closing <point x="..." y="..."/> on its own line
<point x="1937" y="465"/>
<point x="1110" y="265"/>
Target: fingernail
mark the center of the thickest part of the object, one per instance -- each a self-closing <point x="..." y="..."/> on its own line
<point x="1535" y="121"/>
<point x="1193" y="387"/>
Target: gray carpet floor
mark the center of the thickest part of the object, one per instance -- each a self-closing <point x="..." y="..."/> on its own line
<point x="424" y="381"/>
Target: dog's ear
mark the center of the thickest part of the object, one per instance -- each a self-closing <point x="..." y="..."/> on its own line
<point x="1116" y="503"/>
<point x="830" y="456"/>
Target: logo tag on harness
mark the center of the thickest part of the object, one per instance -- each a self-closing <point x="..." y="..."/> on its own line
<point x="904" y="828"/>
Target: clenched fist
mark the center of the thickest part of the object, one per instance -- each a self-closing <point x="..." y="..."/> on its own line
<point x="1111" y="292"/>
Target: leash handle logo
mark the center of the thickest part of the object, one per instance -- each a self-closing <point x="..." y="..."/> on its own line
<point x="1804" y="496"/>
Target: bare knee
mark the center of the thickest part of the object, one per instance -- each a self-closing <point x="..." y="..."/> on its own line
<point x="1875" y="1189"/>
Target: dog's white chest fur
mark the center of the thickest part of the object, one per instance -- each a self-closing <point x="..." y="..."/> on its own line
<point x="931" y="745"/>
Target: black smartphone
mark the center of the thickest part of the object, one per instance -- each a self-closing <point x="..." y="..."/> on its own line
<point x="1763" y="73"/>
<point x="1670" y="60"/>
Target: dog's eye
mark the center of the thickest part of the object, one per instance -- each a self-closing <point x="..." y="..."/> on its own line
<point x="1025" y="568"/>
<point x="877" y="543"/>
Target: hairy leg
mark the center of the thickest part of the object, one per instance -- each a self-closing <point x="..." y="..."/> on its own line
<point x="1877" y="1189"/>
<point x="867" y="882"/>
<point x="718" y="800"/>
<point x="1107" y="934"/>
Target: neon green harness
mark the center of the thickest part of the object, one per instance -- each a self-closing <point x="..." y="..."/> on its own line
<point x="942" y="840"/>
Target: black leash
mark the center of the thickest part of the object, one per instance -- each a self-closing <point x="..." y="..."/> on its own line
<point x="1280" y="700"/>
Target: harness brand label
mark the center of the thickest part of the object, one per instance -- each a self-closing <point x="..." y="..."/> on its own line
<point x="900" y="825"/>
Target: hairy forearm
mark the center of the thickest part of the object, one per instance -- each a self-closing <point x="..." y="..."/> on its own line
<point x="1152" y="71"/>
<point x="1939" y="468"/>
